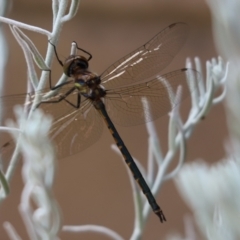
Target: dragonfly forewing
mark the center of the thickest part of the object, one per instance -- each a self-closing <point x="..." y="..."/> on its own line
<point x="147" y="60"/>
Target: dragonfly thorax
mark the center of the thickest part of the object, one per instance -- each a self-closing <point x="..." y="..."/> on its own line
<point x="91" y="88"/>
<point x="97" y="93"/>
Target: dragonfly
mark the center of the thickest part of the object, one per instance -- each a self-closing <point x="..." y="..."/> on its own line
<point x="86" y="100"/>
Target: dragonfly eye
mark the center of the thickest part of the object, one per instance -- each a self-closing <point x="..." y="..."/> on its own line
<point x="82" y="64"/>
<point x="75" y="63"/>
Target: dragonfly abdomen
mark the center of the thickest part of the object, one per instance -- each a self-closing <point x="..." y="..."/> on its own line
<point x="130" y="162"/>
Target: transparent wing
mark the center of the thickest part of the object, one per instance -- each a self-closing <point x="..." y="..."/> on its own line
<point x="77" y="130"/>
<point x="147" y="60"/>
<point x="7" y="103"/>
<point x="73" y="129"/>
<point x="125" y="105"/>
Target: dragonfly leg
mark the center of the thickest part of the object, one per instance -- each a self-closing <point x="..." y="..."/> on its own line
<point x="55" y="51"/>
<point x="88" y="53"/>
<point x="50" y="81"/>
<point x="77" y="106"/>
<point x="64" y="98"/>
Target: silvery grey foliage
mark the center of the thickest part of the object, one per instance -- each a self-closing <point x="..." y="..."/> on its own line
<point x="212" y="192"/>
<point x="203" y="98"/>
<point x="38" y="180"/>
<point x="42" y="219"/>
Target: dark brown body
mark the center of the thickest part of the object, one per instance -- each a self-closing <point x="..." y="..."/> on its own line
<point x="89" y="86"/>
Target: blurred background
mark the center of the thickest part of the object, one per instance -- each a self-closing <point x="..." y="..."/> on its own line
<point x="92" y="187"/>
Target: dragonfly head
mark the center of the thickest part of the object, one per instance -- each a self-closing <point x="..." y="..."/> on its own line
<point x="75" y="64"/>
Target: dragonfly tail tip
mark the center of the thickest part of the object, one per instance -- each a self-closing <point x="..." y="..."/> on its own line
<point x="161" y="216"/>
